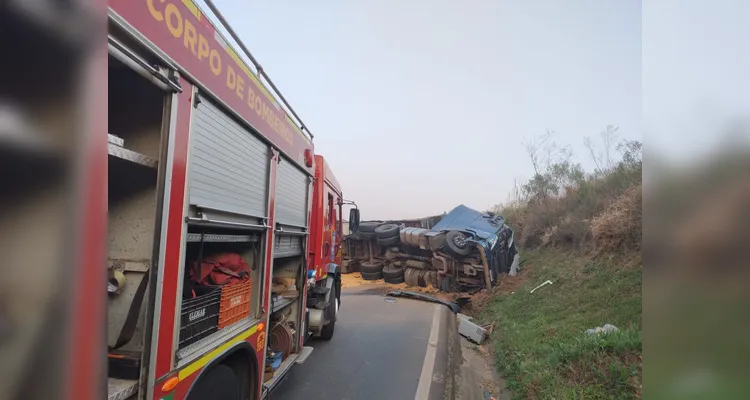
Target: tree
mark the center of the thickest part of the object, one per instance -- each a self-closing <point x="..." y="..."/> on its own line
<point x="603" y="157"/>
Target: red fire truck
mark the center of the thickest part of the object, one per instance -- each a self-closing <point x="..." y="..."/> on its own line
<point x="209" y="168"/>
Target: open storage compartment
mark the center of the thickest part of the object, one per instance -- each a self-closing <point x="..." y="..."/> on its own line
<point x="219" y="306"/>
<point x="137" y="134"/>
<point x="287" y="321"/>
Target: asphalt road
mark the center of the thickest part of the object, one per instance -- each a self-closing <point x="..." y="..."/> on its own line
<point x="377" y="352"/>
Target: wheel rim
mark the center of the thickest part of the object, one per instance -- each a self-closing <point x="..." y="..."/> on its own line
<point x="460" y="241"/>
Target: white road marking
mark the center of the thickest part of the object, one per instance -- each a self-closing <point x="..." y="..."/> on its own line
<point x="425" y="380"/>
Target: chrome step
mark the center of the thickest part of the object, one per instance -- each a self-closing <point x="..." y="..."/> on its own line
<point x="306" y="351"/>
<point x="121" y="389"/>
<point x="280" y="374"/>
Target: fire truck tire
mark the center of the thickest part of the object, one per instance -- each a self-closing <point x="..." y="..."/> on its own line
<point x="394" y="281"/>
<point x="456" y="243"/>
<point x="372" y="276"/>
<point x="391" y="241"/>
<point x="387" y="231"/>
<point x="391" y="272"/>
<point x="218" y="383"/>
<point x="368" y="226"/>
<point x="374" y="267"/>
<point x="326" y="333"/>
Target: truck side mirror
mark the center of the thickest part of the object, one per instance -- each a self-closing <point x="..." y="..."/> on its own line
<point x="353" y="220"/>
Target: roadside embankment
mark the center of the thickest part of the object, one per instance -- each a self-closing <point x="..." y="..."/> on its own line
<point x="539" y="339"/>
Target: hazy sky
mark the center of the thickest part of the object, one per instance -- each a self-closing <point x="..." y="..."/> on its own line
<point x="696" y="73"/>
<point x="422" y="105"/>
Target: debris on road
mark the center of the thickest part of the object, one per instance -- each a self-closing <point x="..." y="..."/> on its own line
<point x="470" y="330"/>
<point x="545" y="283"/>
<point x="421" y="296"/>
<point x="607" y="328"/>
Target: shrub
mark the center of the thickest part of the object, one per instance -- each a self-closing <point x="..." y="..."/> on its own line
<point x="564" y="207"/>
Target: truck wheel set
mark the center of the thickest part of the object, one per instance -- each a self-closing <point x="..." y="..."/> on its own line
<point x="386" y="235"/>
<point x="461" y="251"/>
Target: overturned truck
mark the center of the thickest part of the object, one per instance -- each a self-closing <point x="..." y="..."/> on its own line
<point x="463" y="251"/>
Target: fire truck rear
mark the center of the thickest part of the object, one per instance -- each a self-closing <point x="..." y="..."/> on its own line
<point x="224" y="228"/>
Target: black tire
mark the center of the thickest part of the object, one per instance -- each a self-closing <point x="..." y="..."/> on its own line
<point x="372" y="276"/>
<point x="394" y="281"/>
<point x="326" y="333"/>
<point x="391" y="271"/>
<point x="368" y="226"/>
<point x="218" y="383"/>
<point x="374" y="267"/>
<point x="387" y="231"/>
<point x="391" y="241"/>
<point x="367" y="235"/>
<point x="456" y="244"/>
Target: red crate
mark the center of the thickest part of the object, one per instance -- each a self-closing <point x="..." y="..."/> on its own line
<point x="235" y="303"/>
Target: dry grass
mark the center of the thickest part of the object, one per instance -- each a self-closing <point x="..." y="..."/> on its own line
<point x="618" y="227"/>
<point x="586" y="239"/>
<point x="567" y="221"/>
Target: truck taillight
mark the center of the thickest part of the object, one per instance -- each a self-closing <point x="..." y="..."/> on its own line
<point x="308" y="158"/>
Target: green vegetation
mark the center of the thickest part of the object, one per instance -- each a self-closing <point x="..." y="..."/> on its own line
<point x="539" y="338"/>
<point x="582" y="231"/>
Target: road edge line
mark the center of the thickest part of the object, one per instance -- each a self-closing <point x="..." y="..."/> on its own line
<point x="428" y="367"/>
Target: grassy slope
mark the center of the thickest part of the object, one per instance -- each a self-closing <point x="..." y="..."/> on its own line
<point x="539" y="339"/>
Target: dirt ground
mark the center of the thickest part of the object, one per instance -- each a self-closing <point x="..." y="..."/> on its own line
<point x="354" y="279"/>
<point x="507" y="285"/>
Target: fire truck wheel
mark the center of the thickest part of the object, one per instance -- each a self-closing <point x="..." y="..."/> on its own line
<point x="218" y="383"/>
<point x="372" y="276"/>
<point x="371" y="267"/>
<point x="391" y="241"/>
<point x="395" y="281"/>
<point x="387" y="231"/>
<point x="326" y="333"/>
<point x="456" y="243"/>
<point x="391" y="272"/>
<point x="368" y="226"/>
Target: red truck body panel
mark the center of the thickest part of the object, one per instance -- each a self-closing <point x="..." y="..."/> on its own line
<point x="86" y="343"/>
<point x="177" y="31"/>
<point x="164" y="354"/>
<point x="325" y="220"/>
<point x="190" y="40"/>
